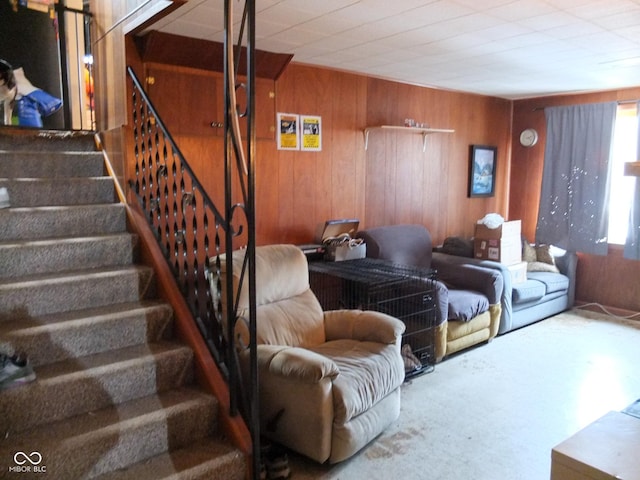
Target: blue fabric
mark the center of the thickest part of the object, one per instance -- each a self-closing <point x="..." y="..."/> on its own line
<point x="529" y="291"/>
<point x="464" y="305"/>
<point x="47" y="104"/>
<point x="31" y="108"/>
<point x="28" y="114"/>
<point x="553" y="282"/>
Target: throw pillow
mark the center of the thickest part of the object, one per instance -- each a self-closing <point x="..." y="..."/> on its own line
<point x="538" y="258"/>
<point x="541" y="267"/>
<point x="528" y="252"/>
<point x="543" y="254"/>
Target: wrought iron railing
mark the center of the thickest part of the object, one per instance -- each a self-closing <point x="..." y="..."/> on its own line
<point x="195" y="235"/>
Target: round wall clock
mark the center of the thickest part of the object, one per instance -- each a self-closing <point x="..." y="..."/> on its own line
<point x="529" y="137"/>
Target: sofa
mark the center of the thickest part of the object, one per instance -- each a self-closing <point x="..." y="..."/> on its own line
<point x="546" y="291"/>
<point x="467" y="297"/>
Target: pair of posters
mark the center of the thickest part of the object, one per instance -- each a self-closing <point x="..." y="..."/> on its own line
<point x="299" y="132"/>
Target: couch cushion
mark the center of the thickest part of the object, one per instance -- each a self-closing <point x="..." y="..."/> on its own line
<point x="369" y="371"/>
<point x="529" y="291"/>
<point x="464" y="305"/>
<point x="554" y="282"/>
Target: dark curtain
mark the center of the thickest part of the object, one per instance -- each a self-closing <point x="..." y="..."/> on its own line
<point x="632" y="245"/>
<point x="574" y="199"/>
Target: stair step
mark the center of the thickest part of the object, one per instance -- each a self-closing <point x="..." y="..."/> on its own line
<point x="77" y="290"/>
<point x="118" y="436"/>
<point x="61" y="221"/>
<point x="37" y="192"/>
<point x="35" y="164"/>
<point x="21" y="139"/>
<point x="84" y="384"/>
<point x="112" y="396"/>
<point x="209" y="459"/>
<point x="57" y="337"/>
<point x="25" y="258"/>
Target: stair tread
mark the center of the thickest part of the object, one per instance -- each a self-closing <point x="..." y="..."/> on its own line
<point x="62" y="180"/>
<point x="57" y="208"/>
<point x="201" y="458"/>
<point x="61" y="221"/>
<point x="109" y="417"/>
<point x="42" y="242"/>
<point x="105" y="360"/>
<point x="47" y="320"/>
<point x="71" y="275"/>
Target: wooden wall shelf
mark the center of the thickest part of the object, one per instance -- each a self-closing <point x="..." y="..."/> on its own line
<point x="419" y="130"/>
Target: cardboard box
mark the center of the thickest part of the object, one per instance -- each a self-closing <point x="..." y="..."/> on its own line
<point x="337" y="253"/>
<point x="605" y="450"/>
<point x="518" y="272"/>
<point x="507" y="229"/>
<point x="507" y="250"/>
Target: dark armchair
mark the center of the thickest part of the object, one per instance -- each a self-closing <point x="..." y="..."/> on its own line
<point x="467" y="296"/>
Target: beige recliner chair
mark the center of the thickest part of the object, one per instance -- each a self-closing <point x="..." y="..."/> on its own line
<point x="329" y="381"/>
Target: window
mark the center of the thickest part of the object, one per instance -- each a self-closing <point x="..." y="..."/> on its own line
<point x="621" y="188"/>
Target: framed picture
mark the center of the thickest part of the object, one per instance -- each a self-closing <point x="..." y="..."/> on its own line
<point x="482" y="170"/>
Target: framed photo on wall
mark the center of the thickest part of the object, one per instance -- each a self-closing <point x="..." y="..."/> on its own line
<point x="482" y="170"/>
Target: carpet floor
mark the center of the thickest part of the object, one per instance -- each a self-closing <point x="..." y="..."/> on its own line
<point x="495" y="412"/>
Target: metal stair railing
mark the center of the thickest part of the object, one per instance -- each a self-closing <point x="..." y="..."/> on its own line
<point x="195" y="235"/>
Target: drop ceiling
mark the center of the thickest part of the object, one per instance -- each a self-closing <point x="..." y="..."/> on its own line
<point x="503" y="48"/>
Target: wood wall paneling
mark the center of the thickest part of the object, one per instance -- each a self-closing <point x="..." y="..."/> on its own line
<point x="609" y="280"/>
<point x="179" y="94"/>
<point x="316" y="186"/>
<point x="405" y="184"/>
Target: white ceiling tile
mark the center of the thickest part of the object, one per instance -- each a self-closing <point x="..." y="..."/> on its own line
<point x="507" y="48"/>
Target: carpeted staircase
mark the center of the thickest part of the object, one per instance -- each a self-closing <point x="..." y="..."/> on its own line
<point x="114" y="396"/>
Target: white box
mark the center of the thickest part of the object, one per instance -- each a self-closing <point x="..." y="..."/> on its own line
<point x="507" y="229"/>
<point x="346" y="252"/>
<point x="506" y="250"/>
<point x="518" y="272"/>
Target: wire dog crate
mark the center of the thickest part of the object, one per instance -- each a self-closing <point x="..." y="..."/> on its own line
<point x="401" y="291"/>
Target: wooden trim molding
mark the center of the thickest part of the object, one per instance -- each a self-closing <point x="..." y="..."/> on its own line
<point x="170" y="49"/>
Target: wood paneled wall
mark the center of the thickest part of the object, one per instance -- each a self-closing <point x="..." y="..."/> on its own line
<point x="609" y="280"/>
<point x="406" y="185"/>
<point x="393" y="181"/>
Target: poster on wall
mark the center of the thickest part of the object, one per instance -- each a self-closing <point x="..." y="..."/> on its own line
<point x="288" y="131"/>
<point x="311" y="133"/>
